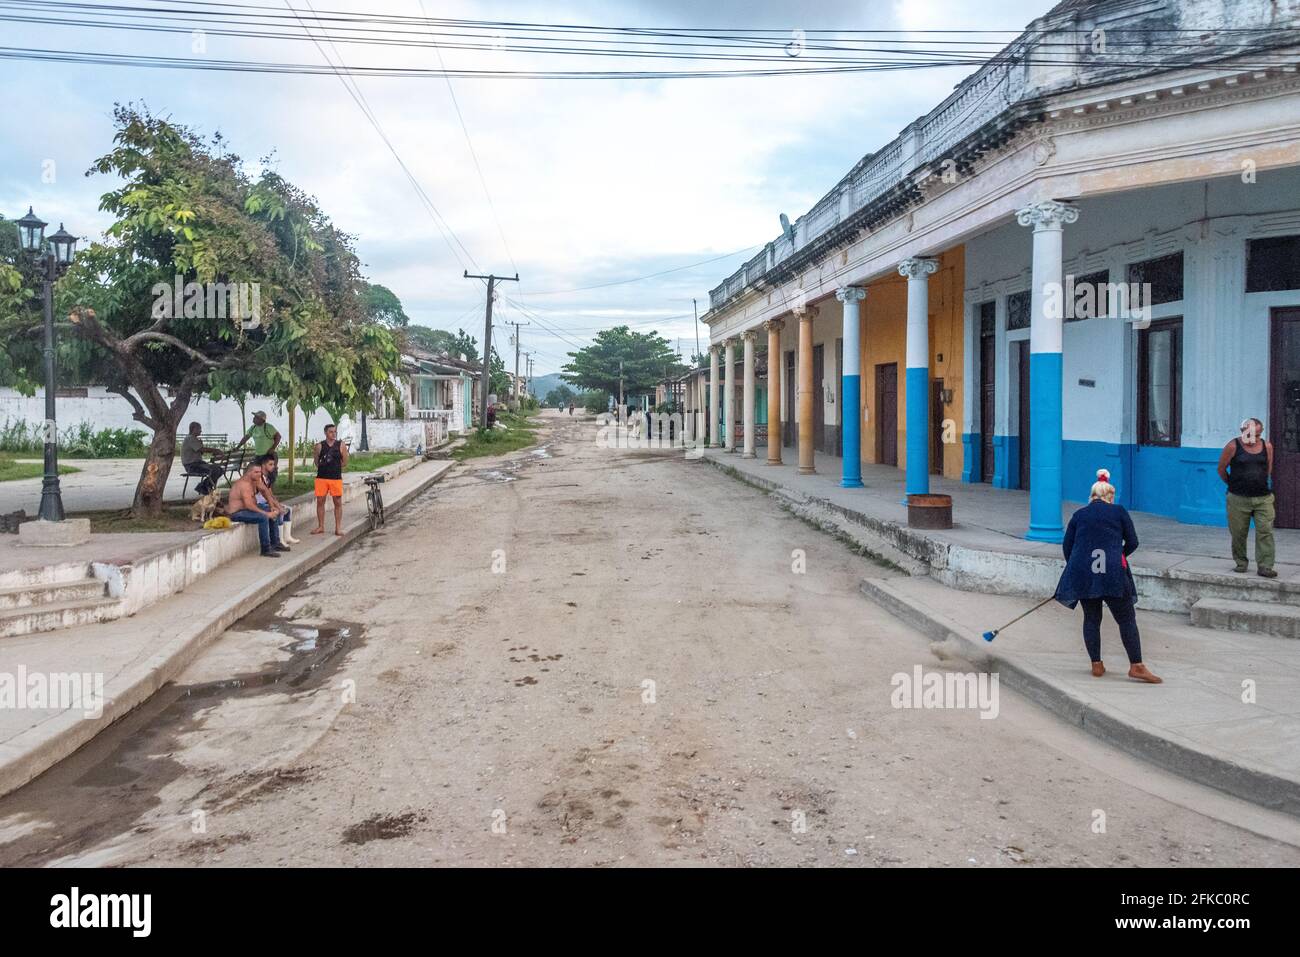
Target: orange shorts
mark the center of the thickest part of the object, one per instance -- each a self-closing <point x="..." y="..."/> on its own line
<point x="326" y="487"/>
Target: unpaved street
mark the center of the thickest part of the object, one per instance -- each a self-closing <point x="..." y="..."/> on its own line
<point x="582" y="656"/>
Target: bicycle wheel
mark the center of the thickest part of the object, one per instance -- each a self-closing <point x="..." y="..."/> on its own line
<point x="379" y="505"/>
<point x="372" y="508"/>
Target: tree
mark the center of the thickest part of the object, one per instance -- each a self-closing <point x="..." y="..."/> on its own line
<point x="154" y="296"/>
<point x="560" y="395"/>
<point x="646" y="361"/>
<point x="382" y="305"/>
<point x="442" y="341"/>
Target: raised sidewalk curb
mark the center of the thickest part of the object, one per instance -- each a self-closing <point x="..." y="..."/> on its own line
<point x="1201" y="764"/>
<point x="32" y="752"/>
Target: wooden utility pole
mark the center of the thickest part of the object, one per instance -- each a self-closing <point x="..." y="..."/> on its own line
<point x="517" y="325"/>
<point x="486" y="387"/>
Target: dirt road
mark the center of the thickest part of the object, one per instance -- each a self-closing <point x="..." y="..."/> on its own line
<point x="579" y="656"/>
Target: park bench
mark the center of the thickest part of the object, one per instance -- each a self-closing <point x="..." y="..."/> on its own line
<point x="232" y="461"/>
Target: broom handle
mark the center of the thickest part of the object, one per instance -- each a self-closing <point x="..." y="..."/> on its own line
<point x="1030" y="612"/>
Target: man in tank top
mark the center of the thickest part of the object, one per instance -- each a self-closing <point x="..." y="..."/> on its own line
<point x="1246" y="465"/>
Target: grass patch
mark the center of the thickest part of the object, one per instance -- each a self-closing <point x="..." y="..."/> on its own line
<point x="11" y="469"/>
<point x="519" y="433"/>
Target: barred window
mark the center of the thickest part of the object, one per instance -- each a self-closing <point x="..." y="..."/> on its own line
<point x="1018" y="310"/>
<point x="1273" y="264"/>
<point x="1165" y="274"/>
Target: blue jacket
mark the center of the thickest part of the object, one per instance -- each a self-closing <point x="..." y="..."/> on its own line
<point x="1098" y="539"/>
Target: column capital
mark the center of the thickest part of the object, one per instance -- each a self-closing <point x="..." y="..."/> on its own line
<point x="750" y="335"/>
<point x="730" y="341"/>
<point x="918" y="267"/>
<point x="774" y="325"/>
<point x="850" y="294"/>
<point x="807" y="314"/>
<point x="715" y="348"/>
<point x="1049" y="214"/>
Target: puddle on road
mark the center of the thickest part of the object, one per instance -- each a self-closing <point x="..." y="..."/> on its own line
<point x="108" y="787"/>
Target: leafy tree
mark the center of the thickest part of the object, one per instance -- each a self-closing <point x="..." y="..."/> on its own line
<point x="646" y="359"/>
<point x="382" y="305"/>
<point x="560" y="395"/>
<point x="187" y="213"/>
<point x="441" y="341"/>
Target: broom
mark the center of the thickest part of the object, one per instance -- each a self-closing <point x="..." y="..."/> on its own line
<point x="990" y="635"/>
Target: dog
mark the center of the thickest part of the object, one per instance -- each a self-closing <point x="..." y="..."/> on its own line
<point x="207" y="506"/>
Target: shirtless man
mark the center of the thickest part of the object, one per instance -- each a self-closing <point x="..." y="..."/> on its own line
<point x="243" y="508"/>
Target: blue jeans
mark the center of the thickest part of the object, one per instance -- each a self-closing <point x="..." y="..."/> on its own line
<point x="268" y="532"/>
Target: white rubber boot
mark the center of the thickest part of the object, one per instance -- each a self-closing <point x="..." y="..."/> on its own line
<point x="286" y="534"/>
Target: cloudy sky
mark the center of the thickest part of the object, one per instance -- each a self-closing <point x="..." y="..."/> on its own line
<point x="592" y="182"/>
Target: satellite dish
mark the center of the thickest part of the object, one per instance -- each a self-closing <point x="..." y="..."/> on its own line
<point x="786" y="228"/>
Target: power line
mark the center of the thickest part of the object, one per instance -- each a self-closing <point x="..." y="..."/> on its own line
<point x="653" y="275"/>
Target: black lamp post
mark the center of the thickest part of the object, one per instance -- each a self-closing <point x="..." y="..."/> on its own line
<point x="56" y="256"/>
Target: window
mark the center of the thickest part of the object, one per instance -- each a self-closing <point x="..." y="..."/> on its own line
<point x="988" y="315"/>
<point x="1088" y="297"/>
<point x="1160" y="383"/>
<point x="1018" y="310"/>
<point x="1165" y="275"/>
<point x="1273" y="264"/>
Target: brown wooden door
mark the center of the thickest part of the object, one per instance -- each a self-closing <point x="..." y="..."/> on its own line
<point x="988" y="354"/>
<point x="1023" y="353"/>
<point x="819" y="398"/>
<point x="1284" y="414"/>
<point x="839" y="397"/>
<point x="936" y="426"/>
<point x="887" y="413"/>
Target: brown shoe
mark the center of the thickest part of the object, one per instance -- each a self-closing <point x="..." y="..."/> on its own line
<point x="1140" y="672"/>
<point x="1098" y="669"/>
<point x="1267" y="573"/>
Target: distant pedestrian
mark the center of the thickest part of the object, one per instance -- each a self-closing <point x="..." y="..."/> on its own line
<point x="1246" y="465"/>
<point x="331" y="457"/>
<point x="570" y="408"/>
<point x="1098" y="541"/>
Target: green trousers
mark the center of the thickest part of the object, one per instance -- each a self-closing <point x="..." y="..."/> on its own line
<point x="1241" y="509"/>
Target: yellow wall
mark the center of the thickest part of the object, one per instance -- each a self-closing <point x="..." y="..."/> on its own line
<point x="884" y="340"/>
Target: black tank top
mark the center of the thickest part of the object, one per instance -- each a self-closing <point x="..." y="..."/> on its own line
<point x="1248" y="472"/>
<point x="330" y="464"/>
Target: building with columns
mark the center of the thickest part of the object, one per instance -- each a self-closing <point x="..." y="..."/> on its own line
<point x="1086" y="256"/>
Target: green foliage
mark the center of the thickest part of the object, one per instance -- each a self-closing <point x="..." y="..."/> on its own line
<point x="645" y="357"/>
<point x="561" y="395"/>
<point x="594" y="401"/>
<point x="382" y="305"/>
<point x="78" y="441"/>
<point x="441" y="341"/>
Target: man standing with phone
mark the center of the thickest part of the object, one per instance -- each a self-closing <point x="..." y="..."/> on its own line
<point x="331" y="458"/>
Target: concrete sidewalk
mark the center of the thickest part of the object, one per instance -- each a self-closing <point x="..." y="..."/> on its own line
<point x="138" y="655"/>
<point x="1201" y="723"/>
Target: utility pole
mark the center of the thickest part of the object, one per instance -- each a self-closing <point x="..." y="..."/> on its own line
<point x="517" y="325"/>
<point x="486" y="387"/>
<point x="696" y="309"/>
<point x="620" y="383"/>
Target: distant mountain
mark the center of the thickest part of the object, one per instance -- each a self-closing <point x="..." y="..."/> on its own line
<point x="543" y="384"/>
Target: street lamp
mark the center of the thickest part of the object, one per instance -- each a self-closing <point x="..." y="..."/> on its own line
<point x="56" y="255"/>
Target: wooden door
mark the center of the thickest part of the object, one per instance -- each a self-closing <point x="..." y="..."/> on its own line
<point x="988" y="353"/>
<point x="1023" y="353"/>
<point x="819" y="397"/>
<point x="1284" y="414"/>
<point x="839" y="397"/>
<point x="887" y="413"/>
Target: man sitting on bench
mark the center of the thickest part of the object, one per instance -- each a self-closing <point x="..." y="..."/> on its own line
<point x="192" y="452"/>
<point x="243" y="508"/>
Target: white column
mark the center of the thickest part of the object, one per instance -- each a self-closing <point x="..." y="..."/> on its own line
<point x="715" y="397"/>
<point x="729" y="394"/>
<point x="918" y="271"/>
<point x="748" y="408"/>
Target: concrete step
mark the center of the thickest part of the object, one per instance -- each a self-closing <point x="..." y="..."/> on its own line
<point x="61" y="614"/>
<point x="24" y="596"/>
<point x="1255" y="617"/>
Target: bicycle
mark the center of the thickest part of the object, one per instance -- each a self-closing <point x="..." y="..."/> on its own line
<point x="374" y="501"/>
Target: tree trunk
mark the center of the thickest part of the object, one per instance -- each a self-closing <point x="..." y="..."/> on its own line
<point x="158" y="463"/>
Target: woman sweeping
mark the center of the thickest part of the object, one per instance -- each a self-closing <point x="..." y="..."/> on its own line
<point x="1098" y="541"/>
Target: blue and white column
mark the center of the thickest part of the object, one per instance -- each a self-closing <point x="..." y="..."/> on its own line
<point x="715" y="396"/>
<point x="918" y="272"/>
<point x="851" y="399"/>
<point x="1046" y="480"/>
<point x="729" y="394"/>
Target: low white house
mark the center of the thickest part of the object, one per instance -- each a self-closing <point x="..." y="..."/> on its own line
<point x="439" y="401"/>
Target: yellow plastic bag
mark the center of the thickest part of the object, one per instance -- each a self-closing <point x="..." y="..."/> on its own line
<point x="221" y="521"/>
